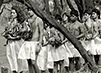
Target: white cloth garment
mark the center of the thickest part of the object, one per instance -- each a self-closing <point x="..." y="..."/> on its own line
<point x="28" y="50"/>
<point x="16" y="64"/>
<point x="42" y="58"/>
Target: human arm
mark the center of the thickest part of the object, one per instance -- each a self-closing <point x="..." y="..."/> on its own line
<point x="81" y="32"/>
<point x="9" y="37"/>
<point x="40" y="25"/>
<point x="95" y="31"/>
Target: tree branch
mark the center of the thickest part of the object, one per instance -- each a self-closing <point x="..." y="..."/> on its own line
<point x="65" y="32"/>
<point x="70" y="5"/>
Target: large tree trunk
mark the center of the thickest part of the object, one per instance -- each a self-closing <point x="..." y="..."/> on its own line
<point x="65" y="32"/>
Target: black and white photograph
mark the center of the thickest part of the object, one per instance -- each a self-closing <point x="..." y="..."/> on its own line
<point x="50" y="36"/>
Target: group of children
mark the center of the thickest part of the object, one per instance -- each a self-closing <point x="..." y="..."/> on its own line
<point x="64" y="56"/>
<point x="42" y="48"/>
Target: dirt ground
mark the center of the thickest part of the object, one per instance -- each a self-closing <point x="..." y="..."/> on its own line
<point x="3" y="59"/>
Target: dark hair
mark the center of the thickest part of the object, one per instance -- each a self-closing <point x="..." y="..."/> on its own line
<point x="75" y="12"/>
<point x="65" y="14"/>
<point x="58" y="17"/>
<point x="20" y="14"/>
<point x="97" y="11"/>
<point x="86" y="11"/>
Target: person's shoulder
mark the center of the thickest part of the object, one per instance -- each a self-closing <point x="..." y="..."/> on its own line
<point x="79" y="23"/>
<point x="39" y="19"/>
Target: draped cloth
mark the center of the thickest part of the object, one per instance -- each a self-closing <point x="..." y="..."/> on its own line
<point x="16" y="64"/>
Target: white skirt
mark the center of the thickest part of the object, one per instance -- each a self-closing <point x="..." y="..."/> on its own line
<point x="42" y="58"/>
<point x="16" y="64"/>
<point x="55" y="54"/>
<point x="50" y="61"/>
<point x="61" y="52"/>
<point x="98" y="45"/>
<point x="28" y="50"/>
<point x="84" y="44"/>
<point x="92" y="47"/>
<point x="73" y="50"/>
<point x="67" y="55"/>
<point x="68" y="50"/>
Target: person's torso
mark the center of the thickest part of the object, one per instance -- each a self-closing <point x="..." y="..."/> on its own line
<point x="74" y="28"/>
<point x="36" y="29"/>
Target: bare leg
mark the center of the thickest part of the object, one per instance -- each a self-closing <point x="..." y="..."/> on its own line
<point x="99" y="62"/>
<point x="35" y="66"/>
<point x="50" y="70"/>
<point x="71" y="65"/>
<point x="55" y="67"/>
<point x="92" y="57"/>
<point x="30" y="66"/>
<point x="43" y="71"/>
<point x="15" y="72"/>
<point x="78" y="63"/>
<point x="96" y="57"/>
<point x="66" y="69"/>
<point x="61" y="66"/>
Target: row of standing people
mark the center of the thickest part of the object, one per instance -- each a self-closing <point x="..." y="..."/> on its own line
<point x="63" y="54"/>
<point x="23" y="36"/>
<point x="55" y="55"/>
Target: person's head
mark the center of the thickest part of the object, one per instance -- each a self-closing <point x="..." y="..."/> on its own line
<point x="13" y="13"/>
<point x="86" y="16"/>
<point x="65" y="17"/>
<point x="95" y="14"/>
<point x="73" y="15"/>
<point x="31" y="13"/>
<point x="58" y="18"/>
<point x="16" y="12"/>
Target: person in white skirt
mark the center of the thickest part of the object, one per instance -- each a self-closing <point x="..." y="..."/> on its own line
<point x="75" y="28"/>
<point x="68" y="53"/>
<point x="57" y="49"/>
<point x="87" y="23"/>
<point x="14" y="41"/>
<point x="33" y="36"/>
<point x="52" y="49"/>
<point x="45" y="61"/>
<point x="50" y="45"/>
<point x="42" y="57"/>
<point x="97" y="41"/>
